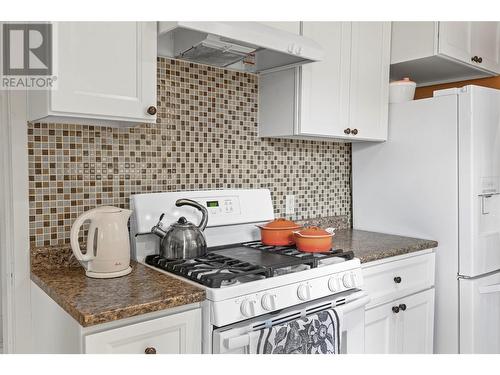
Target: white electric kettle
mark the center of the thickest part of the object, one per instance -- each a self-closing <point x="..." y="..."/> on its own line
<point x="108" y="246"/>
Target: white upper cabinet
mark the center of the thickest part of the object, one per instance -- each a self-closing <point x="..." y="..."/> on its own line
<point x="455" y="39"/>
<point x="369" y="89"/>
<point x="324" y="86"/>
<point x="344" y="96"/>
<point x="485" y="38"/>
<point x="105" y="71"/>
<point x="437" y="52"/>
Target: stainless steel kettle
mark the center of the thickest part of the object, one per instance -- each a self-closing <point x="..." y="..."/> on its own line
<point x="183" y="240"/>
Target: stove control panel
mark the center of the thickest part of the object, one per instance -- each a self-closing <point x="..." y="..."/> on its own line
<point x="224" y="205"/>
<point x="251" y="305"/>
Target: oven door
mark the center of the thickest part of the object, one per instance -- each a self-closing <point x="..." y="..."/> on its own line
<point x="236" y="338"/>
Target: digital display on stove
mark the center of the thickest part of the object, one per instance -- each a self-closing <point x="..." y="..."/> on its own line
<point x="212" y="204"/>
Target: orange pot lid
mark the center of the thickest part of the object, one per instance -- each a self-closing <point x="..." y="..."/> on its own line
<point x="314" y="232"/>
<point x="281" y="223"/>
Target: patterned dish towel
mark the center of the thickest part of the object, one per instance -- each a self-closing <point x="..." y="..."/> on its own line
<point x="314" y="334"/>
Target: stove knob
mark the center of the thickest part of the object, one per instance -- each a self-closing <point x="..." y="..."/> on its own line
<point x="304" y="292"/>
<point x="334" y="284"/>
<point x="348" y="280"/>
<point x="268" y="302"/>
<point x="247" y="308"/>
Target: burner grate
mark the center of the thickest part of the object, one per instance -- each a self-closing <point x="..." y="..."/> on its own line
<point x="249" y="261"/>
<point x="212" y="270"/>
<point x="314" y="258"/>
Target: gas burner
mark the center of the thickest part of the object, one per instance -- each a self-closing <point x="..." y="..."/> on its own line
<point x="317" y="259"/>
<point x="226" y="283"/>
<point x="236" y="264"/>
<point x="212" y="270"/>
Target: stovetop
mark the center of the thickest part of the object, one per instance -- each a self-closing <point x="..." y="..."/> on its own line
<point x="225" y="266"/>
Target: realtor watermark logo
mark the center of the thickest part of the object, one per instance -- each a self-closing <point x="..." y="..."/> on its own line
<point x="27" y="51"/>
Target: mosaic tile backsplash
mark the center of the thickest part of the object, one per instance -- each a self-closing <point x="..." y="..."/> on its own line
<point x="205" y="138"/>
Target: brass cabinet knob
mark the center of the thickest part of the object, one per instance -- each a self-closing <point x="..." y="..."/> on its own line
<point x="480" y="60"/>
<point x="152" y="110"/>
<point x="474" y="58"/>
<point x="150" y="350"/>
<point x="354" y="131"/>
<point x="402" y="307"/>
<point x="477" y="59"/>
<point x="347" y="131"/>
<point x="395" y="309"/>
<point x="397" y="279"/>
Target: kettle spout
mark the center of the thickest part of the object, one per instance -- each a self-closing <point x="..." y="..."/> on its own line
<point x="157" y="229"/>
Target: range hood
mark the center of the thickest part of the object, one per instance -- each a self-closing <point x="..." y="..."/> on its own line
<point x="247" y="46"/>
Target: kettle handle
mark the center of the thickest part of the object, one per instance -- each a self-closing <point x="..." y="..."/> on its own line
<point x="204" y="212"/>
<point x="75" y="246"/>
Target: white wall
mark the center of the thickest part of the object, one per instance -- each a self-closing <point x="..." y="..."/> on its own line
<point x="14" y="223"/>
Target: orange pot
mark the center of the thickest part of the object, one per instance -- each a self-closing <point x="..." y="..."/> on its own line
<point x="314" y="240"/>
<point x="278" y="232"/>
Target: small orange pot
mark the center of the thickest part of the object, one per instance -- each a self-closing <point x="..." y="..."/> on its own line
<point x="314" y="240"/>
<point x="278" y="232"/>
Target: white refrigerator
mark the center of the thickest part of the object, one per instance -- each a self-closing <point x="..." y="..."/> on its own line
<point x="438" y="177"/>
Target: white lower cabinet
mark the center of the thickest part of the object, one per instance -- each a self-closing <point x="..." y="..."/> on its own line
<point x="404" y="326"/>
<point x="400" y="317"/>
<point x="174" y="334"/>
<point x="380" y="330"/>
<point x="171" y="331"/>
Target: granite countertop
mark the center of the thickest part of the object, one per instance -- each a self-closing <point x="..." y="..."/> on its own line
<point x="370" y="246"/>
<point x="144" y="290"/>
<point x="95" y="301"/>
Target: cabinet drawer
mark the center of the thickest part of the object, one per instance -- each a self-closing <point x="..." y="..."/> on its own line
<point x="394" y="279"/>
<point x="173" y="334"/>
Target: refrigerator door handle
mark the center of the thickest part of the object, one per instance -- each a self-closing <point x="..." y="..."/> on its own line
<point x="495" y="288"/>
<point x="484" y="210"/>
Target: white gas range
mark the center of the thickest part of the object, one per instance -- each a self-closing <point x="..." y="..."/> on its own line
<point x="249" y="285"/>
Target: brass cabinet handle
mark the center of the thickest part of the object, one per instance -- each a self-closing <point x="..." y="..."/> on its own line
<point x="354" y="131"/>
<point x="347" y="131"/>
<point x="152" y="110"/>
<point x="150" y="350"/>
<point x="477" y="59"/>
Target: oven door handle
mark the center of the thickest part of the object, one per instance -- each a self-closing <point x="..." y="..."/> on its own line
<point x="241" y="341"/>
<point x="237" y="342"/>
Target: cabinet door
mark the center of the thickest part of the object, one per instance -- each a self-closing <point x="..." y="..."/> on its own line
<point x="455" y="40"/>
<point x="290" y="26"/>
<point x="106" y="70"/>
<point x="486" y="44"/>
<point x="369" y="83"/>
<point x="415" y="325"/>
<point x="175" y="334"/>
<point x="380" y="330"/>
<point x="324" y="91"/>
